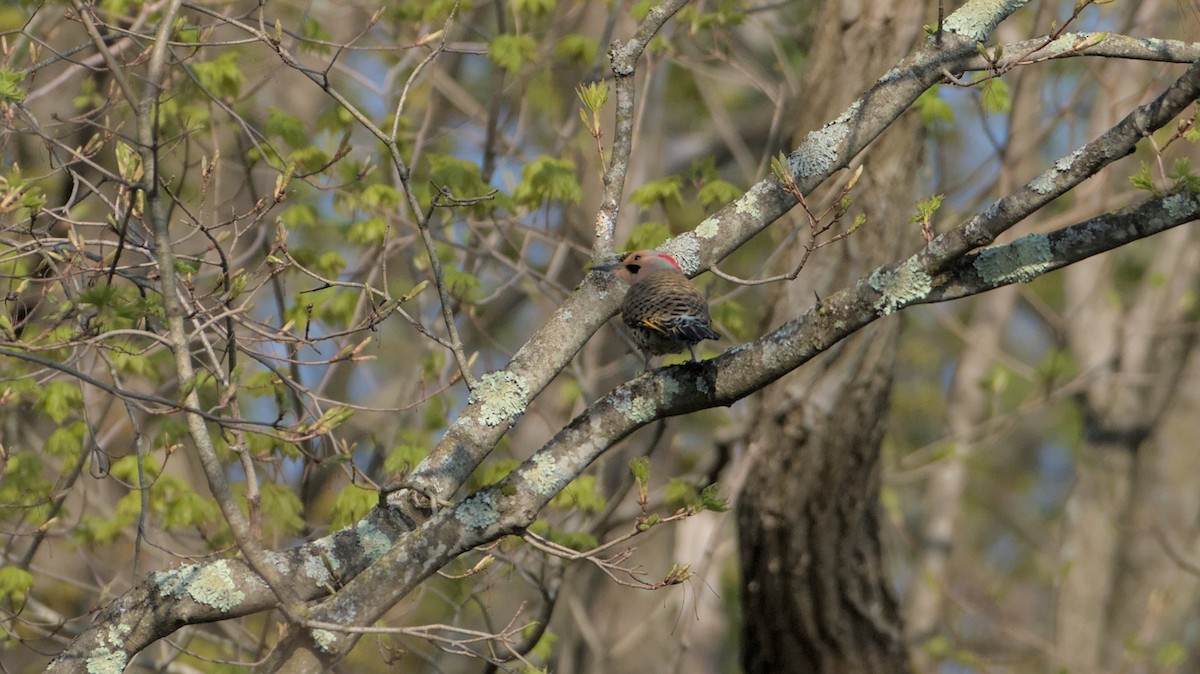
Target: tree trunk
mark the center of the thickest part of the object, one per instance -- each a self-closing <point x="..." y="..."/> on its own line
<point x="815" y="595"/>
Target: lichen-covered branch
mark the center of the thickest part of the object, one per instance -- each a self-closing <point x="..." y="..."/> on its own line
<point x="824" y="152"/>
<point x="372" y="565"/>
<point x="1036" y="254"/>
<point x="211" y="591"/>
<point x="479" y="427"/>
<point x="513" y="503"/>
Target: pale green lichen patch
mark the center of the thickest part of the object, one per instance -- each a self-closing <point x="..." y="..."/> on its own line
<point x="344" y="614"/>
<point x="501" y="397"/>
<point x="1063" y="43"/>
<point x="478" y="510"/>
<point x="1045" y="183"/>
<point x="117" y="633"/>
<point x="210" y="584"/>
<point x="776" y="354"/>
<point x="106" y="661"/>
<point x="1065" y="163"/>
<point x="819" y="152"/>
<point x="374" y="542"/>
<point x="639" y="409"/>
<point x="900" y="287"/>
<point x="316" y="570"/>
<point x="976" y="20"/>
<point x="1019" y="262"/>
<point x="708" y="229"/>
<point x="670" y="389"/>
<point x="547" y="479"/>
<point x="749" y="204"/>
<point x="1070" y="42"/>
<point x="324" y="639"/>
<point x="1178" y="206"/>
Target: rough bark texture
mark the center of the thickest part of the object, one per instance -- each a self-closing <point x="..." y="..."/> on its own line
<point x="815" y="596"/>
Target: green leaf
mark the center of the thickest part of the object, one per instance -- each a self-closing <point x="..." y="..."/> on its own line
<point x="351" y="504"/>
<point x="647" y="235"/>
<point x="180" y="506"/>
<point x="298" y="215"/>
<point x="724" y="16"/>
<point x="21" y="481"/>
<point x="125" y="469"/>
<point x="10" y="85"/>
<point x="581" y="494"/>
<point x="282" y="508"/>
<point x="462" y="178"/>
<point x="66" y="441"/>
<point x="533" y="7"/>
<point x="548" y="179"/>
<point x="1181" y="172"/>
<point x="576" y="540"/>
<point x="995" y="98"/>
<point x="577" y="48"/>
<point x="16" y="191"/>
<point x="717" y="193"/>
<point x="491" y="472"/>
<point x="331" y="263"/>
<point x="286" y="126"/>
<point x="378" y="195"/>
<point x="438" y="10"/>
<point x="641" y="8"/>
<point x="15" y="584"/>
<point x="106" y="530"/>
<point x="369" y="232"/>
<point x="221" y="77"/>
<point x="927" y="207"/>
<point x="461" y="284"/>
<point x="712" y="500"/>
<point x="184" y="266"/>
<point x="309" y="159"/>
<point x="934" y="110"/>
<point x="640" y="467"/>
<point x="312" y="30"/>
<point x="681" y="493"/>
<point x="404" y="457"/>
<point x="1142" y="180"/>
<point x="330" y="419"/>
<point x="662" y="191"/>
<point x="129" y="162"/>
<point x="512" y="51"/>
<point x="60" y="399"/>
<point x="112" y="303"/>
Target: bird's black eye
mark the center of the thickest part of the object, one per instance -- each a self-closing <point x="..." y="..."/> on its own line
<point x="637" y="257"/>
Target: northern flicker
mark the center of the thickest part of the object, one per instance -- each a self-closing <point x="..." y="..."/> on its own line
<point x="663" y="310"/>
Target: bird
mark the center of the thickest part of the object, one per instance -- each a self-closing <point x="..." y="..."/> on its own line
<point x="663" y="310"/>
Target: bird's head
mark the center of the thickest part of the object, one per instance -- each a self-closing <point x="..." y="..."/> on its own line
<point x="639" y="264"/>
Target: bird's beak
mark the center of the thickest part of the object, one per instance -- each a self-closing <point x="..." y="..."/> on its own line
<point x="606" y="267"/>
